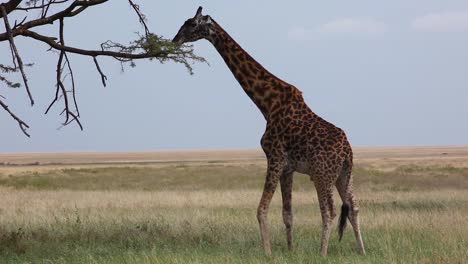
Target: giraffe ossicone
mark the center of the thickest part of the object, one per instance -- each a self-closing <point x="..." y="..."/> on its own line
<point x="295" y="139"/>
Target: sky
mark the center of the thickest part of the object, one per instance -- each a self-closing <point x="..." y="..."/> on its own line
<point x="387" y="72"/>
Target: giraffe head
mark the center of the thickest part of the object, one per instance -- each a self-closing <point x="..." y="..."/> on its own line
<point x="194" y="28"/>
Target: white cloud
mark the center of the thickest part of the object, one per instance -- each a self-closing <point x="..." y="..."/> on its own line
<point x="442" y="22"/>
<point x="339" y="26"/>
<point x="352" y="25"/>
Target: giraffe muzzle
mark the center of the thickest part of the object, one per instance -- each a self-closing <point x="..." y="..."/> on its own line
<point x="178" y="40"/>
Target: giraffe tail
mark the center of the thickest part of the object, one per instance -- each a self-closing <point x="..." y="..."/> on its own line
<point x="342" y="221"/>
<point x="346" y="176"/>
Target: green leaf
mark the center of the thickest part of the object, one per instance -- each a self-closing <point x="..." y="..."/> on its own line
<point x="15" y="85"/>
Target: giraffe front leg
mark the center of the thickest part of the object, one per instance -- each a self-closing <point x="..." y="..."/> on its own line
<point x="273" y="175"/>
<point x="286" y="181"/>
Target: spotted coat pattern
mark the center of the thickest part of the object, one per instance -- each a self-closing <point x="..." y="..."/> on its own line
<point x="295" y="139"/>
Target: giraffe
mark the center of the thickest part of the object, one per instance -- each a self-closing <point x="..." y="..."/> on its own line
<point x="295" y="138"/>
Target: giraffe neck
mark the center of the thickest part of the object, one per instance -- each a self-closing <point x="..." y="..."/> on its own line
<point x="267" y="91"/>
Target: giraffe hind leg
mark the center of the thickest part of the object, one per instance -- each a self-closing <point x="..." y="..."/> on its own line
<point x="349" y="209"/>
<point x="327" y="209"/>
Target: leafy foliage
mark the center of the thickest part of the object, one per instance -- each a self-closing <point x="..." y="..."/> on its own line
<point x="157" y="48"/>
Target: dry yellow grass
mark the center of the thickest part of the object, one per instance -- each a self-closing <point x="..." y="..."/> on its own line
<point x="202" y="209"/>
<point x="32" y="207"/>
<point x="385" y="158"/>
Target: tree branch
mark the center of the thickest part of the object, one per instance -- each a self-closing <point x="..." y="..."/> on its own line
<point x="145" y="46"/>
<point x="16" y="53"/>
<point x="60" y="87"/>
<point x="10" y="6"/>
<point x="103" y="76"/>
<point x="23" y="126"/>
<point x="93" y="53"/>
<point x="40" y="6"/>
<point x="141" y="16"/>
<point x="72" y="77"/>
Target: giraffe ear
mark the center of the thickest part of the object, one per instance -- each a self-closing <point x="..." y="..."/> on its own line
<point x="199" y="10"/>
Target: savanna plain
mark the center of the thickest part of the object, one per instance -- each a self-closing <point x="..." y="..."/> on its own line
<point x="199" y="206"/>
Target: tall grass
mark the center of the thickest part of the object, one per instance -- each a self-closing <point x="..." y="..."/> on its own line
<point x="206" y="214"/>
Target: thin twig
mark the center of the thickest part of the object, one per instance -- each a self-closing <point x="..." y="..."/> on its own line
<point x="39" y="6"/>
<point x="53" y="101"/>
<point x="72" y="77"/>
<point x="20" y="23"/>
<point x="18" y="58"/>
<point x="23" y="126"/>
<point x="8" y="82"/>
<point x="103" y="76"/>
<point x="60" y="87"/>
<point x="141" y="16"/>
<point x="76" y="119"/>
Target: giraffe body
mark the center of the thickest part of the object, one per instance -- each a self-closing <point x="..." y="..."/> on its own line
<point x="295" y="138"/>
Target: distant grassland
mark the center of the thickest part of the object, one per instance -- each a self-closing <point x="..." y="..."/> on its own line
<point x="206" y="213"/>
<point x="227" y="177"/>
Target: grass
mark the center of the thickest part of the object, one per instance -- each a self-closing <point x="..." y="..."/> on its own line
<point x="206" y="214"/>
<point x="226" y="177"/>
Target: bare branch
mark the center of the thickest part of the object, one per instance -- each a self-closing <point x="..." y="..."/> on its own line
<point x="72" y="77"/>
<point x="146" y="46"/>
<point x="141" y="16"/>
<point x="60" y="87"/>
<point x="20" y="23"/>
<point x="74" y="119"/>
<point x="103" y="76"/>
<point x="68" y="12"/>
<point x="40" y="6"/>
<point x="57" y="90"/>
<point x="23" y="126"/>
<point x="16" y="53"/>
<point x="10" y="6"/>
<point x="45" y="8"/>
<point x="8" y="82"/>
<point x="51" y="42"/>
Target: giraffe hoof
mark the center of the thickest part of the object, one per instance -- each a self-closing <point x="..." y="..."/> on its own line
<point x="267" y="251"/>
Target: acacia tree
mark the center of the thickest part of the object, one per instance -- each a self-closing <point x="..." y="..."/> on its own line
<point x="147" y="45"/>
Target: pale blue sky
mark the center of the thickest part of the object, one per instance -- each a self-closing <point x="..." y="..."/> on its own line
<point x="387" y="72"/>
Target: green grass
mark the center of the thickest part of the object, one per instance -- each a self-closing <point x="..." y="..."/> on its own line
<point x="391" y="246"/>
<point x="227" y="177"/>
<point x="79" y="239"/>
<point x="206" y="214"/>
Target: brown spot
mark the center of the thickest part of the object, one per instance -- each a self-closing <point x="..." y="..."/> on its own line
<point x="260" y="90"/>
<point x="253" y="69"/>
<point x="244" y="70"/>
<point x="235" y="60"/>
